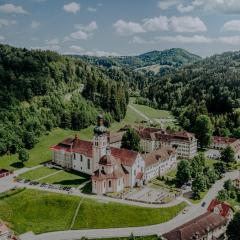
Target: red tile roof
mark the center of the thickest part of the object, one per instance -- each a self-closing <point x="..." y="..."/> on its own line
<point x="183" y="135"/>
<point x="126" y="156"/>
<point x="224" y="208"/>
<point x="115" y="137"/>
<point x="160" y="134"/>
<point x="236" y="146"/>
<point x="118" y="172"/>
<point x="223" y="140"/>
<point x="75" y="145"/>
<point x="159" y="155"/>
<point x="197" y="228"/>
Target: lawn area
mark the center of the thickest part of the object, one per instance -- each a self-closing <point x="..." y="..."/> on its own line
<point x="156" y="115"/>
<point x="171" y="174"/>
<point x="153" y="113"/>
<point x="38" y="173"/>
<point x="110" y="215"/>
<point x="66" y="178"/>
<point x="38" y="211"/>
<point x="41" y="211"/>
<point x="210" y="162"/>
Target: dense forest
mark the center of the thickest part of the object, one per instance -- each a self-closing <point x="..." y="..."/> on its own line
<point x="210" y="86"/>
<point x="175" y="57"/>
<point x="41" y="90"/>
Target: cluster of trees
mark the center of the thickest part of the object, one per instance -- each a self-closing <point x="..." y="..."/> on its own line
<point x="41" y="90"/>
<point x="230" y="192"/>
<point x="202" y="176"/>
<point x="233" y="228"/>
<point x="131" y="140"/>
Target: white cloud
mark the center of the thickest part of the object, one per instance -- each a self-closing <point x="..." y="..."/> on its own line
<point x="185" y="9"/>
<point x="35" y="24"/>
<point x="166" y="4"/>
<point x="2" y="38"/>
<point x="80" y="35"/>
<point x="54" y="41"/>
<point x="139" y="40"/>
<point x="161" y="23"/>
<point x="11" y="8"/>
<point x="76" y="48"/>
<point x="127" y="28"/>
<point x="87" y="28"/>
<point x="72" y="7"/>
<point x="225" y="6"/>
<point x="98" y="53"/>
<point x="156" y="24"/>
<point x="187" y="24"/>
<point x="233" y="25"/>
<point x="198" y="39"/>
<point x="231" y="40"/>
<point x="6" y="22"/>
<point x="91" y="9"/>
<point x="186" y="39"/>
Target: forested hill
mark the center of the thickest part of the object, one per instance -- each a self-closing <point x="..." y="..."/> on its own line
<point x="175" y="57"/>
<point x="210" y="86"/>
<point x="41" y="90"/>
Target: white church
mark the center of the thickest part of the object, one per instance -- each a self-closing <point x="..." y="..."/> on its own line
<point x="111" y="168"/>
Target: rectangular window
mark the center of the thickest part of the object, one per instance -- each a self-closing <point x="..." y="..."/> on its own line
<point x="109" y="184"/>
<point x="89" y="164"/>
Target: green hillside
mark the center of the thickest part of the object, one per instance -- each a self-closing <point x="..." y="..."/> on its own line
<point x="41" y="90"/>
<point x="175" y="57"/>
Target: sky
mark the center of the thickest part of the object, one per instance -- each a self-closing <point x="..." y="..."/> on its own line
<point x="121" y="27"/>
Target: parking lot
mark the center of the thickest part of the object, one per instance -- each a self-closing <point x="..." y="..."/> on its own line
<point x="44" y="185"/>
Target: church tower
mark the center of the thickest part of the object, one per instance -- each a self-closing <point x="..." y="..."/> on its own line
<point x="100" y="142"/>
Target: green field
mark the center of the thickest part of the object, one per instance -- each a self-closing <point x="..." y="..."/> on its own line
<point x="65" y="178"/>
<point x="41" y="211"/>
<point x="153" y="113"/>
<point x="38" y="173"/>
<point x="72" y="179"/>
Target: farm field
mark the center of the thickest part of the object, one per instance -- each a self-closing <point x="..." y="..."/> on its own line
<point x="40" y="211"/>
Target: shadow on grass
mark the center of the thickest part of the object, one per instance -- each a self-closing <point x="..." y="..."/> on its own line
<point x="72" y="182"/>
<point x="87" y="188"/>
<point x="83" y="175"/>
<point x="17" y="165"/>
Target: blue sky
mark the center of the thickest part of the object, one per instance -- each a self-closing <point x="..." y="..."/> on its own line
<point x="121" y="27"/>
